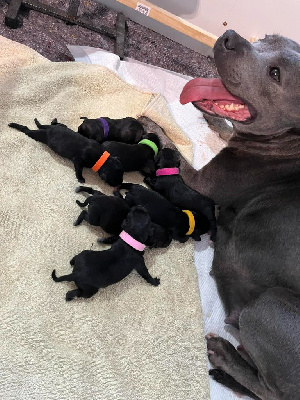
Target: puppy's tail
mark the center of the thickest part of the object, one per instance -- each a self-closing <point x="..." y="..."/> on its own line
<point x="87" y="189"/>
<point x="68" y="278"/>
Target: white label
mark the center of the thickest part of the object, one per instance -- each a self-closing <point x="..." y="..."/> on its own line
<point x="143" y="9"/>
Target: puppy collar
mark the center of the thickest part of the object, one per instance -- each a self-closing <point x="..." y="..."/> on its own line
<point x="131" y="241"/>
<point x="105" y="127"/>
<point x="192" y="222"/>
<point x="151" y="144"/>
<point x="167" y="171"/>
<point x="101" y="161"/>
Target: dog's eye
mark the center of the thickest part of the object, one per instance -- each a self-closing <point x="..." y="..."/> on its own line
<point x="275" y="74"/>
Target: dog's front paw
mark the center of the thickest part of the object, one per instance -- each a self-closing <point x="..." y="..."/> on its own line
<point x="221" y="353"/>
<point x="156" y="281"/>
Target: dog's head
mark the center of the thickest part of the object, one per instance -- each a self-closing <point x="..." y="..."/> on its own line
<point x="259" y="86"/>
<point x="138" y="224"/>
<point x="160" y="237"/>
<point x="167" y="158"/>
<point x="92" y="129"/>
<point x="112" y="171"/>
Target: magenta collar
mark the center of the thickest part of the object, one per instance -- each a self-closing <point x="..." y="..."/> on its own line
<point x="131" y="241"/>
<point x="167" y="171"/>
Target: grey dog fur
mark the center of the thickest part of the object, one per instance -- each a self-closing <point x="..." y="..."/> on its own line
<point x="256" y="182"/>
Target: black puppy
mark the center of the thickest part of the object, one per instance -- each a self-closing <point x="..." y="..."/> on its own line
<point x="109" y="212"/>
<point x="181" y="224"/>
<point x="136" y="157"/>
<point x="82" y="151"/>
<point x="98" y="269"/>
<point x="127" y="130"/>
<point x="170" y="184"/>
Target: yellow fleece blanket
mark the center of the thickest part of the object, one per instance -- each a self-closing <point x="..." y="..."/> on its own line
<point x="131" y="341"/>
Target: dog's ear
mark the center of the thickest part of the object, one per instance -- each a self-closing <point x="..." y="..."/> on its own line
<point x="176" y="159"/>
<point x="158" y="159"/>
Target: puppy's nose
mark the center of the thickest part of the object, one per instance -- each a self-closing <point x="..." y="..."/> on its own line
<point x="232" y="40"/>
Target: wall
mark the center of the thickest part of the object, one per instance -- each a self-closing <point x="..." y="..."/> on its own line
<point x="249" y="18"/>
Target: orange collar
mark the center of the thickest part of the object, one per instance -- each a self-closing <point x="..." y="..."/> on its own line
<point x="101" y="161"/>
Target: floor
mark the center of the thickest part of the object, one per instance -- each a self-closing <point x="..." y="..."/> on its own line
<point x="49" y="36"/>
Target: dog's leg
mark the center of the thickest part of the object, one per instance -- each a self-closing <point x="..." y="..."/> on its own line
<point x="108" y="240"/>
<point x="71" y="294"/>
<point x="38" y="135"/>
<point x="78" y="169"/>
<point x="40" y="126"/>
<point x="72" y="262"/>
<point x="223" y="356"/>
<point x="82" y="216"/>
<point x="143" y="271"/>
<point x="68" y="278"/>
<point x="228" y="381"/>
<point x="85" y="203"/>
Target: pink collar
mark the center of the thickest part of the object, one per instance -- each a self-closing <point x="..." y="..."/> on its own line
<point x="131" y="241"/>
<point x="167" y="171"/>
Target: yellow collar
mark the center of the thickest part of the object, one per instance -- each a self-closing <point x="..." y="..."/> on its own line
<point x="192" y="222"/>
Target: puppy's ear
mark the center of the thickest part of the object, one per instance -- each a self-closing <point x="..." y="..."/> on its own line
<point x="157" y="159"/>
<point x="177" y="159"/>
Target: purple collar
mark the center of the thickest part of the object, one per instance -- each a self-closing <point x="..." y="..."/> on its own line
<point x="105" y="127"/>
<point x="167" y="171"/>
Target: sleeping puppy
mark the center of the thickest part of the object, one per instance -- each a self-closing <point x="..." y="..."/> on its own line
<point x="136" y="157"/>
<point x="98" y="269"/>
<point x="109" y="212"/>
<point x="170" y="184"/>
<point x="126" y="130"/>
<point x="84" y="153"/>
<point x="181" y="224"/>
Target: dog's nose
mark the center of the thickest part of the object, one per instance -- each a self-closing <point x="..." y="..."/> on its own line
<point x="230" y="39"/>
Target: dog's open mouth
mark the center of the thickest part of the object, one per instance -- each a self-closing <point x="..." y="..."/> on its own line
<point x="211" y="96"/>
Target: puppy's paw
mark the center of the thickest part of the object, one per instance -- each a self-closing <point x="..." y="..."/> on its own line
<point x="69" y="297"/>
<point x="156" y="281"/>
<point x="81" y="180"/>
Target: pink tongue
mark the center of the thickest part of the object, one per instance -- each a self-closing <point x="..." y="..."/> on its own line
<point x="199" y="89"/>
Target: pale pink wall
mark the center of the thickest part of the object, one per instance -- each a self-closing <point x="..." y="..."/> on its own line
<point x="253" y="18"/>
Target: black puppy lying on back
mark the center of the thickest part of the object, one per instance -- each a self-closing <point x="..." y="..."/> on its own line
<point x="181" y="224"/>
<point x="82" y="151"/>
<point x="136" y="157"/>
<point x="127" y="130"/>
<point x="170" y="184"/>
<point x="98" y="269"/>
<point x="109" y="212"/>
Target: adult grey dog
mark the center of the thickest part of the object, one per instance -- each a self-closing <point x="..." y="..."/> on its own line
<point x="256" y="182"/>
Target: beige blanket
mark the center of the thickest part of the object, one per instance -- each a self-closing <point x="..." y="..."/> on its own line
<point x="131" y="340"/>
